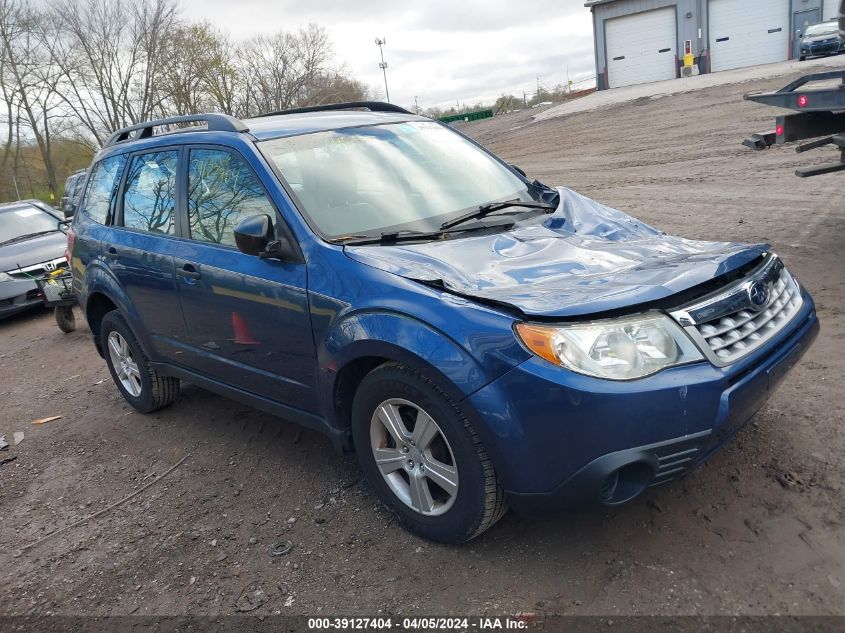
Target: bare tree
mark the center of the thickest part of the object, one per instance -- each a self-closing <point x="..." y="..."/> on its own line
<point x="279" y="68"/>
<point x="111" y="56"/>
<point x="8" y="102"/>
<point x="32" y="77"/>
<point x="223" y="82"/>
<point x="198" y="72"/>
<point x="335" y="86"/>
<point x="73" y="71"/>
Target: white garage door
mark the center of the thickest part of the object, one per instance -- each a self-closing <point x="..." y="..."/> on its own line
<point x="748" y="32"/>
<point x="641" y="47"/>
<point x="831" y="9"/>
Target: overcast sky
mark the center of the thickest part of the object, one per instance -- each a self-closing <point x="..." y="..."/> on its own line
<point x="438" y="50"/>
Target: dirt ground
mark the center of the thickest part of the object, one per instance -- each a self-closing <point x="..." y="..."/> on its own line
<point x="760" y="529"/>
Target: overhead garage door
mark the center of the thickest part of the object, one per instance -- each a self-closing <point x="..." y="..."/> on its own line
<point x="831" y="9"/>
<point x="748" y="32"/>
<point x="641" y="47"/>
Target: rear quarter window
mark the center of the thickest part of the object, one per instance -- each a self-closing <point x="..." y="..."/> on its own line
<point x="102" y="188"/>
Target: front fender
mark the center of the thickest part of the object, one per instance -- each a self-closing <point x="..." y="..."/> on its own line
<point x="401" y="338"/>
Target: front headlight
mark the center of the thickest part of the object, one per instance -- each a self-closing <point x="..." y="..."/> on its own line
<point x="617" y="349"/>
<point x="6" y="277"/>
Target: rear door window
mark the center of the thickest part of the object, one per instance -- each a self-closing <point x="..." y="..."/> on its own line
<point x="102" y="187"/>
<point x="222" y="191"/>
<point x="149" y="199"/>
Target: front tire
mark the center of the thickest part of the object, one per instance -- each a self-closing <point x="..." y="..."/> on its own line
<point x="139" y="382"/>
<point x="422" y="457"/>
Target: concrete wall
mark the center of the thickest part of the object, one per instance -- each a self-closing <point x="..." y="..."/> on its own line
<point x="688" y="27"/>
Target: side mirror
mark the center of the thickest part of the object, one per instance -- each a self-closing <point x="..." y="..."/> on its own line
<point x="70" y="210"/>
<point x="519" y="169"/>
<point x="255" y="236"/>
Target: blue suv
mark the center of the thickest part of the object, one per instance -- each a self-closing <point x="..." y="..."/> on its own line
<point x="480" y="340"/>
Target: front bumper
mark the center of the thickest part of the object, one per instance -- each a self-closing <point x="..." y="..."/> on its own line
<point x="559" y="439"/>
<point x="829" y="48"/>
<point x="18" y="295"/>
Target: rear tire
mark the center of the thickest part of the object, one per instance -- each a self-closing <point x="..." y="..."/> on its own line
<point x="437" y="445"/>
<point x="136" y="378"/>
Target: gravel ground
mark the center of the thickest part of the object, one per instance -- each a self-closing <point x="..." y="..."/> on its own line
<point x="659" y="89"/>
<point x="757" y="530"/>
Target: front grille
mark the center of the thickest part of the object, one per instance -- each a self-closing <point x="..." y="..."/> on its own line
<point x="38" y="270"/>
<point x="732" y="337"/>
<point x="824" y="44"/>
<point x="729" y="325"/>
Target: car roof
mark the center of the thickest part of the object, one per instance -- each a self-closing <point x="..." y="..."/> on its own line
<point x="215" y="127"/>
<point x="282" y="125"/>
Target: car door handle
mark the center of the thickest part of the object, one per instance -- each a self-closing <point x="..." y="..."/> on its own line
<point x="112" y="253"/>
<point x="189" y="270"/>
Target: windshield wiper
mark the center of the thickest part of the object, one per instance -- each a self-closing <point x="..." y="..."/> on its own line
<point x="393" y="237"/>
<point x="388" y="237"/>
<point x="491" y="207"/>
<point x="27" y="236"/>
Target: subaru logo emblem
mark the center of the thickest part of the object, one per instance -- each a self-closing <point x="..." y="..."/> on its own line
<point x="758" y="295"/>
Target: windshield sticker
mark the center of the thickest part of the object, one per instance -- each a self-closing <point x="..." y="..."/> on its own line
<point x="25" y="213"/>
<point x="347" y="139"/>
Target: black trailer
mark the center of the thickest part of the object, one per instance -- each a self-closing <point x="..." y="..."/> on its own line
<point x="820" y="115"/>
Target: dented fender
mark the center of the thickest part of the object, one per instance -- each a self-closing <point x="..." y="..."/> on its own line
<point x="405" y="339"/>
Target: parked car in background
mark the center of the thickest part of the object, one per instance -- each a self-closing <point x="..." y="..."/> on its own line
<point x="31" y="245"/>
<point x="73" y="190"/>
<point x="478" y="338"/>
<point x="822" y="39"/>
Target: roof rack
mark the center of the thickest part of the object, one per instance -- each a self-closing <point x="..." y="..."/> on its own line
<point x="215" y="123"/>
<point x="372" y="106"/>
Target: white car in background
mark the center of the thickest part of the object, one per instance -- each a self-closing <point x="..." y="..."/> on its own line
<point x="31" y="245"/>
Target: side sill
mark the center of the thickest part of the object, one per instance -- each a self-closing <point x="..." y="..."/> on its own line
<point x="341" y="439"/>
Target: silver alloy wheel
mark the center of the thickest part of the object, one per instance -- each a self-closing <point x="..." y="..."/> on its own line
<point x="414" y="457"/>
<point x="124" y="365"/>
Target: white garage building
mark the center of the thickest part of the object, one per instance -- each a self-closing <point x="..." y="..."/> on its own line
<point x="638" y="41"/>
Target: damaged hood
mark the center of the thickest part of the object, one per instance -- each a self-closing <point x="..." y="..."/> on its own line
<point x="584" y="258"/>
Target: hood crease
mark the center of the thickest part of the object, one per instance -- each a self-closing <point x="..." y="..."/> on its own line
<point x="584" y="258"/>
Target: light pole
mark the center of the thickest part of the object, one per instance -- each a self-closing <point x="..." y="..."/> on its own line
<point x="416" y="105"/>
<point x="380" y="42"/>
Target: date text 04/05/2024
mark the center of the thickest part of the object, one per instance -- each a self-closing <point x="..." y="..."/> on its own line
<point x="420" y="623"/>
